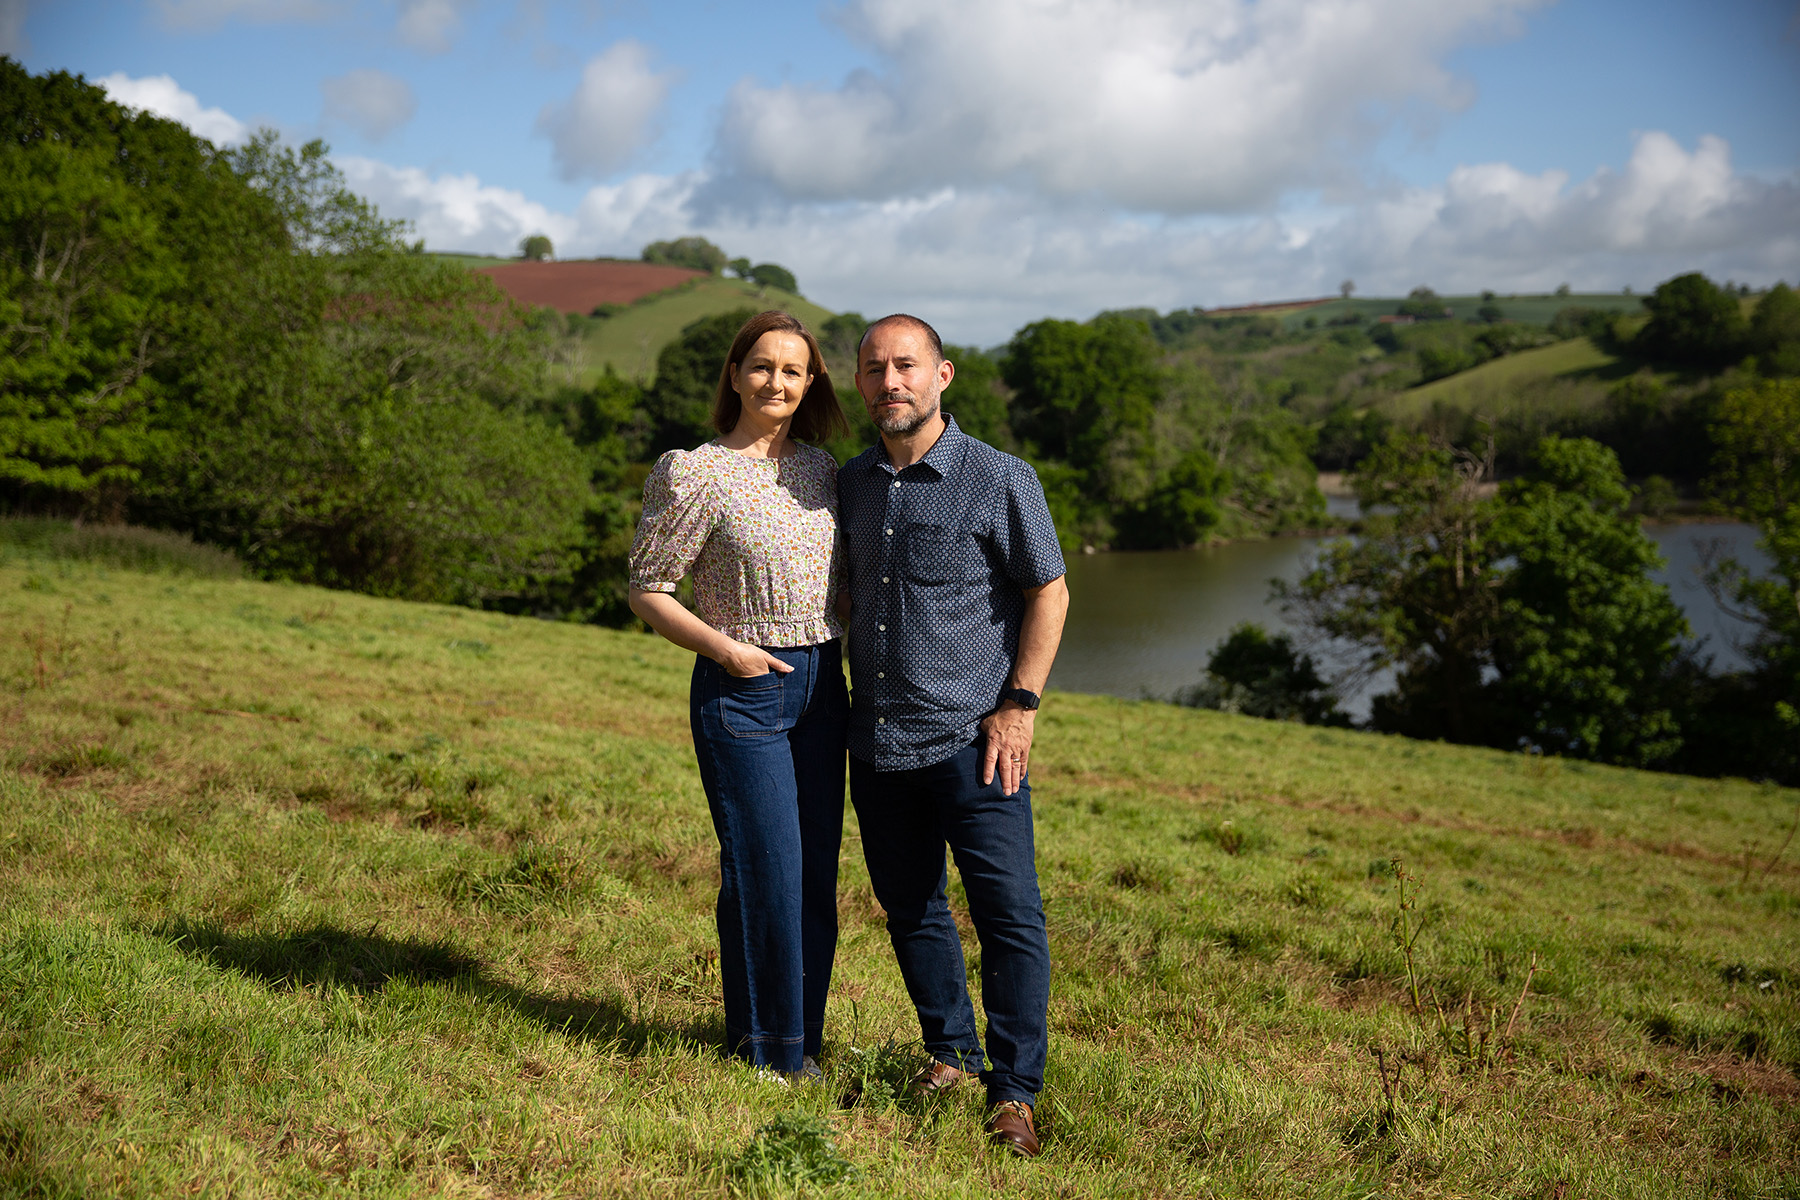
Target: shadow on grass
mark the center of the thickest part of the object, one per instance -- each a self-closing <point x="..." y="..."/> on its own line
<point x="326" y="956"/>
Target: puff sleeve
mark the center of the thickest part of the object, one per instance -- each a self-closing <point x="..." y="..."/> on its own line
<point x="681" y="506"/>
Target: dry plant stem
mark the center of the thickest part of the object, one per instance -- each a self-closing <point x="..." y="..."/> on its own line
<point x="1512" y="1020"/>
<point x="1786" y="842"/>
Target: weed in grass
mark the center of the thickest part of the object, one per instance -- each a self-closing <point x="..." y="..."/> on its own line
<point x="539" y="875"/>
<point x="792" y="1151"/>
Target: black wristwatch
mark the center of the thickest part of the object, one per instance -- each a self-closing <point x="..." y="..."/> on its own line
<point x="1022" y="698"/>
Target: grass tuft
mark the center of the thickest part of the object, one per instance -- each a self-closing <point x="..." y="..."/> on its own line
<point x="794" y="1150"/>
<point x="128" y="547"/>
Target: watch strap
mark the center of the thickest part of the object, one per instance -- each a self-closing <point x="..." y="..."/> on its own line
<point x="1022" y="698"/>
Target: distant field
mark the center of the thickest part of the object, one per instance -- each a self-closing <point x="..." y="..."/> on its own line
<point x="1534" y="310"/>
<point x="629" y="341"/>
<point x="472" y="260"/>
<point x="1497" y="379"/>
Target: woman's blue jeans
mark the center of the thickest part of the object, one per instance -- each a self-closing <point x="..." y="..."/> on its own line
<point x="771" y="751"/>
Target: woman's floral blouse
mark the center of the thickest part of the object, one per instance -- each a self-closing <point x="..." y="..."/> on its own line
<point x="759" y="536"/>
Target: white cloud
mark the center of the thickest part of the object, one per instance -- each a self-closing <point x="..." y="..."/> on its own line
<point x="210" y="14"/>
<point x="12" y="28"/>
<point x="1176" y="106"/>
<point x="373" y="102"/>
<point x="595" y="131"/>
<point x="455" y="212"/>
<point x="980" y="262"/>
<point x="430" y="26"/>
<point x="160" y="94"/>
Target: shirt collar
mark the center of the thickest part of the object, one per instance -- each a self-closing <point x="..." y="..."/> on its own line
<point x="943" y="456"/>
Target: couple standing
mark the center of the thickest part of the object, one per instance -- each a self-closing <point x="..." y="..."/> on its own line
<point x="938" y="552"/>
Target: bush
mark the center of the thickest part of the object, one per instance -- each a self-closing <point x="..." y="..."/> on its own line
<point x="130" y="547"/>
<point x="771" y="275"/>
<point x="694" y="253"/>
<point x="1258" y="675"/>
<point x="1693" y="323"/>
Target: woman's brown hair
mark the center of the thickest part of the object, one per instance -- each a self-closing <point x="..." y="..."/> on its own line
<point x="820" y="416"/>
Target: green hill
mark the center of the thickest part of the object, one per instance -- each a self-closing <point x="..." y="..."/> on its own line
<point x="1532" y="309"/>
<point x="630" y="339"/>
<point x="1498" y="381"/>
<point x="306" y="892"/>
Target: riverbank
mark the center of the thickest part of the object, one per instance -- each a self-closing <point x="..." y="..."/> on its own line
<point x="307" y="892"/>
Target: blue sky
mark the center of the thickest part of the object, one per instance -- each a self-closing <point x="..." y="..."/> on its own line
<point x="989" y="162"/>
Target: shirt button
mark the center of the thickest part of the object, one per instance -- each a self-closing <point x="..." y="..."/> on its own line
<point x="882" y="628"/>
<point x="881" y="674"/>
<point x="890" y="533"/>
<point x="896" y="483"/>
<point x="884" y="579"/>
<point x="881" y="720"/>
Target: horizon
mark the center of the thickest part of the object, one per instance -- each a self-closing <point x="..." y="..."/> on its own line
<point x="998" y="162"/>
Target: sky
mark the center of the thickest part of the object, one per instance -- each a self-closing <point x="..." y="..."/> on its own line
<point x="986" y="163"/>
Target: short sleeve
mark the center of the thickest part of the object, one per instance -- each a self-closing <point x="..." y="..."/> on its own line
<point x="680" y="508"/>
<point x="1027" y="535"/>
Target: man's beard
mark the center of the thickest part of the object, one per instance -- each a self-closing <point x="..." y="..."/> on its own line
<point x="900" y="424"/>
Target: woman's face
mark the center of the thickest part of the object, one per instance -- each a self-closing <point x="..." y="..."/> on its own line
<point x="773" y="377"/>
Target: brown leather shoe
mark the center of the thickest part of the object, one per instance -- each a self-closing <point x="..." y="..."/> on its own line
<point x="935" y="1078"/>
<point x="1011" y="1126"/>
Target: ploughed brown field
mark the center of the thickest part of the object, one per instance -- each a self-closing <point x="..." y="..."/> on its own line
<point x="578" y="287"/>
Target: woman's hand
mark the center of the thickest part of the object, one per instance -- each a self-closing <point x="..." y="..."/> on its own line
<point x="746" y="661"/>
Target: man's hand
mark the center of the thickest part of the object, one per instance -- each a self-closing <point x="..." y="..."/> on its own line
<point x="1007" y="733"/>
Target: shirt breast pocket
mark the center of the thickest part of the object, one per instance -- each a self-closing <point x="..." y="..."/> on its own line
<point x="933" y="554"/>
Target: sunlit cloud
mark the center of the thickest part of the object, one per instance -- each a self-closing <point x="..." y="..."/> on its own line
<point x="370" y="101"/>
<point x="611" y="115"/>
<point x="430" y="26"/>
<point x="161" y="95"/>
<point x="1172" y="106"/>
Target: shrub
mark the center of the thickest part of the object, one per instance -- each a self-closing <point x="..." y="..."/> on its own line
<point x="130" y="547"/>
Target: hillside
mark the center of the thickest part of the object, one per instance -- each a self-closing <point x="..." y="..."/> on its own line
<point x="307" y="892"/>
<point x="1499" y="380"/>
<point x="629" y="340"/>
<point x="1533" y="309"/>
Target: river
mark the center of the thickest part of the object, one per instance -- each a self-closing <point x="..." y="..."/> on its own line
<point x="1143" y="624"/>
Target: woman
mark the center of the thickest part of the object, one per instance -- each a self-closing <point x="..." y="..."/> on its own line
<point x="752" y="516"/>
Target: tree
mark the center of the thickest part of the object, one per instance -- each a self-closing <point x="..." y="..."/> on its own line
<point x="1418" y="594"/>
<point x="1079" y="387"/>
<point x="1750" y="721"/>
<point x="1586" y="644"/>
<point x="1184" y="507"/>
<point x="1423" y="304"/>
<point x="536" y="248"/>
<point x="1693" y="322"/>
<point x="694" y="253"/>
<point x="771" y="275"/>
<point x="1347" y="288"/>
<point x="679" y="404"/>
<point x="1775" y="331"/>
<point x="1252" y="673"/>
<point x="975" y="395"/>
<point x="739" y="267"/>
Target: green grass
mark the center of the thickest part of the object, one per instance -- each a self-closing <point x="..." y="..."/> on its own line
<point x="1497" y="381"/>
<point x="310" y="893"/>
<point x="630" y="339"/>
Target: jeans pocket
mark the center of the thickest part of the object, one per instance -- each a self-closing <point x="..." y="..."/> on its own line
<point x="751" y="707"/>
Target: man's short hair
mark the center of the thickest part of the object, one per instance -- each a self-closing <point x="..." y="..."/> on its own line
<point x="931" y="335"/>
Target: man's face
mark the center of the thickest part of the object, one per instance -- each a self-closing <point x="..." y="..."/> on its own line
<point x="900" y="378"/>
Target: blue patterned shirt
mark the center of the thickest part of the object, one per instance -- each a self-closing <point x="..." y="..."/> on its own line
<point x="938" y="555"/>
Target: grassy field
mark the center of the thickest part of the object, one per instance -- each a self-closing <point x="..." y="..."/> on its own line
<point x="1497" y="381"/>
<point x="630" y="339"/>
<point x="308" y="893"/>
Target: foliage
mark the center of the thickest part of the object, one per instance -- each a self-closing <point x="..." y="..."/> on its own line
<point x="1348" y="435"/>
<point x="694" y="253"/>
<point x="536" y="248"/>
<point x="1693" y="323"/>
<point x="1258" y="675"/>
<point x="775" y="276"/>
<point x="1079" y="388"/>
<point x="127" y="546"/>
<point x="977" y="396"/>
<point x="1423" y="304"/>
<point x="1524" y="619"/>
<point x="1775" y="331"/>
<point x="1586" y="643"/>
<point x="793" y="1150"/>
<point x="678" y="407"/>
<point x="1577" y="320"/>
<point x="1184" y="507"/>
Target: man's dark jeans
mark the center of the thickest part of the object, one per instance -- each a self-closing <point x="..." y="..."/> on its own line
<point x="907" y="819"/>
<point x="771" y="751"/>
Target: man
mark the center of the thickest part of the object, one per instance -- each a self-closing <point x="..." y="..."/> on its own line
<point x="957" y="602"/>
